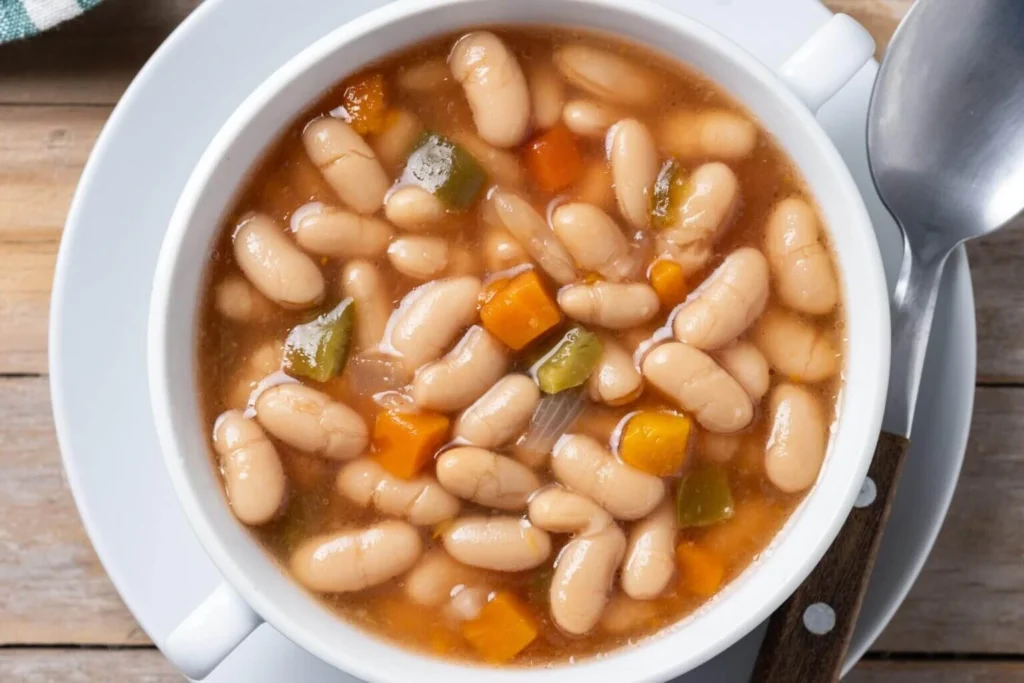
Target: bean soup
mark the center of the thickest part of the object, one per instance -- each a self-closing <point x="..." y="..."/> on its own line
<point x="519" y="345"/>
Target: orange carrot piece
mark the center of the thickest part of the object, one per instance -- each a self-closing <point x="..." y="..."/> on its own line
<point x="365" y="102"/>
<point x="406" y="442"/>
<point x="502" y="630"/>
<point x="700" y="571"/>
<point x="521" y="311"/>
<point x="491" y="290"/>
<point x="554" y="159"/>
<point x="668" y="281"/>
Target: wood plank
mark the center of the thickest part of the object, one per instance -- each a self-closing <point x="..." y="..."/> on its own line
<point x="42" y="152"/>
<point x="52" y="587"/>
<point x="86" y="666"/>
<point x="996" y="266"/>
<point x="90" y="59"/>
<point x="882" y="671"/>
<point x="147" y="665"/>
<point x="26" y="275"/>
<point x="970" y="597"/>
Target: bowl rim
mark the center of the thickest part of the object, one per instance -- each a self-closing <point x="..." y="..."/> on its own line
<point x="871" y="288"/>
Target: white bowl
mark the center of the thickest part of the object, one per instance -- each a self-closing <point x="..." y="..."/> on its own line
<point x="257" y="589"/>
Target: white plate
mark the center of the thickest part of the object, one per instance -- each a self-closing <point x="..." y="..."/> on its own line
<point x="105" y="268"/>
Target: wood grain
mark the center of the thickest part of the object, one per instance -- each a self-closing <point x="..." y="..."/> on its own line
<point x="52" y="587"/>
<point x="791" y="652"/>
<point x="146" y="665"/>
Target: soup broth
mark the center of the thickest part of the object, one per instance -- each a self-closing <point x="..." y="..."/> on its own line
<point x="458" y="238"/>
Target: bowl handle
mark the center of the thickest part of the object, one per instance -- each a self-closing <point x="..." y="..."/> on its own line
<point x="827" y="60"/>
<point x="209" y="634"/>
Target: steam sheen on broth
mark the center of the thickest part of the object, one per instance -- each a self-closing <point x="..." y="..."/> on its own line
<point x="473" y="242"/>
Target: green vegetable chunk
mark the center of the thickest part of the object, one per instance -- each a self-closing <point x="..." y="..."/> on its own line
<point x="704" y="498"/>
<point x="319" y="349"/>
<point x="570" y="363"/>
<point x="670" y="192"/>
<point x="446" y="170"/>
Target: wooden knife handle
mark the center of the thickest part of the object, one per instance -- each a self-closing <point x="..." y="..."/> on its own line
<point x="791" y="652"/>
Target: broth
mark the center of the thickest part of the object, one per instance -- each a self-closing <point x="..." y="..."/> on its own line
<point x="239" y="360"/>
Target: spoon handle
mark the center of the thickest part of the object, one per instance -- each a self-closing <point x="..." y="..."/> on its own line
<point x="808" y="636"/>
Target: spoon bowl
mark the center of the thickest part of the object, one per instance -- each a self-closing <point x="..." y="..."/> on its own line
<point x="945" y="137"/>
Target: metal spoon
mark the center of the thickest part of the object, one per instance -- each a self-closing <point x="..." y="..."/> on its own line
<point x="946" y="150"/>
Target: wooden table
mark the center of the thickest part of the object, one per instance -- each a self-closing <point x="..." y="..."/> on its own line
<point x="60" y="618"/>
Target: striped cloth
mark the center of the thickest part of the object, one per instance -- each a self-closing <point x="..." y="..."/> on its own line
<point x="23" y="18"/>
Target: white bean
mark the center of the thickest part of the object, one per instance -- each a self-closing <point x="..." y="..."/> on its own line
<point x="796" y="445"/>
<point x="264" y="360"/>
<point x="426" y="78"/>
<point x="606" y="75"/>
<point x="699" y="386"/>
<point x="804" y="277"/>
<point x="582" y="464"/>
<point x="615" y="380"/>
<point x="616" y="306"/>
<point x="794" y="347"/>
<point x="515" y="214"/>
<point x="348" y="164"/>
<point x="432" y="581"/>
<point x="495" y="87"/>
<point x="413" y="208"/>
<point x="311" y="421"/>
<point x="393" y="144"/>
<point x="725" y="304"/>
<point x="588" y="118"/>
<point x="634" y="160"/>
<point x="718" y="448"/>
<point x="747" y="365"/>
<point x="237" y="300"/>
<point x="253" y="476"/>
<point x="329" y="231"/>
<point x="583" y="578"/>
<point x="361" y="281"/>
<point x="563" y="512"/>
<point x="715" y="133"/>
<point x="347" y="561"/>
<point x="504" y="544"/>
<point x="651" y="555"/>
<point x="547" y="94"/>
<point x="625" y="615"/>
<point x="430" y="317"/>
<point x="502" y="166"/>
<point x="463" y="375"/>
<point x="486" y="478"/>
<point x="423" y="501"/>
<point x="501" y="250"/>
<point x="500" y="414"/>
<point x="421" y="257"/>
<point x="595" y="242"/>
<point x="274" y="265"/>
<point x="702" y="218"/>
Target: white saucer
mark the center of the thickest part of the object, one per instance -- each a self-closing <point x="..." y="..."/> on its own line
<point x="106" y="263"/>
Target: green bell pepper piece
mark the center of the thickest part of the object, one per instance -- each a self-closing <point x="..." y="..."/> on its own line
<point x="319" y="348"/>
<point x="445" y="169"/>
<point x="704" y="498"/>
<point x="570" y="363"/>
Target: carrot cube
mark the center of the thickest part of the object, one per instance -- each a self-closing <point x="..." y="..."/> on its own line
<point x="521" y="311"/>
<point x="502" y="630"/>
<point x="554" y="159"/>
<point x="668" y="281"/>
<point x="700" y="572"/>
<point x="406" y="442"/>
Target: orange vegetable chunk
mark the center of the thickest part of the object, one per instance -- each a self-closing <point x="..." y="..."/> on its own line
<point x="700" y="571"/>
<point x="502" y="630"/>
<point x="669" y="282"/>
<point x="406" y="442"/>
<point x="655" y="442"/>
<point x="521" y="311"/>
<point x="365" y="104"/>
<point x="554" y="159"/>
